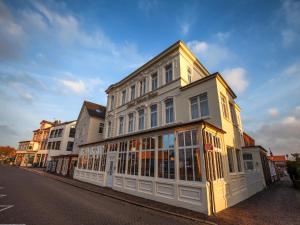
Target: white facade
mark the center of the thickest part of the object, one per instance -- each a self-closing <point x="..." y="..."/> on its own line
<point x="61" y="139"/>
<point x="159" y="121"/>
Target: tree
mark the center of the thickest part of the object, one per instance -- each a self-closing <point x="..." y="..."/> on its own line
<point x="7" y="154"/>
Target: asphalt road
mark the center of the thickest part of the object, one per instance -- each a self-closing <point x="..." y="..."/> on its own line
<point x="38" y="200"/>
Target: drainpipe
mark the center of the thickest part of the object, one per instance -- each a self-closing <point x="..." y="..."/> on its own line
<point x="211" y="190"/>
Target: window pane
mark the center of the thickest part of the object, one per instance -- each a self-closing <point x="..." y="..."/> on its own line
<point x="181" y="164"/>
<point x="189" y="163"/>
<point x="172" y="164"/>
<point x="160" y="163"/>
<point x="188" y="137"/>
<point x="194" y="107"/>
<point x="197" y="165"/>
<point x="171" y="140"/>
<point x="180" y="139"/>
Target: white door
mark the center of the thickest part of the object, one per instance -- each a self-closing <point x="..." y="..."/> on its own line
<point x="110" y="170"/>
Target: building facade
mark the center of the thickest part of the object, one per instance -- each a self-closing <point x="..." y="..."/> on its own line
<point x="59" y="146"/>
<point x="90" y="124"/>
<point x="25" y="153"/>
<point x="41" y="137"/>
<point x="173" y="133"/>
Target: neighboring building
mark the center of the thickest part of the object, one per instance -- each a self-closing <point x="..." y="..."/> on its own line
<point x="279" y="163"/>
<point x="60" y="144"/>
<point x="41" y="137"/>
<point x="256" y="161"/>
<point x="90" y="124"/>
<point x="25" y="153"/>
<point x="173" y="133"/>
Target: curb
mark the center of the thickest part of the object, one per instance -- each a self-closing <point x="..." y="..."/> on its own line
<point x="121" y="199"/>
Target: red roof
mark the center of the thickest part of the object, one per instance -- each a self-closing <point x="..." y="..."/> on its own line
<point x="277" y="158"/>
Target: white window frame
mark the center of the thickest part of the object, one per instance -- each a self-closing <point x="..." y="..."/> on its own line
<point x="169" y="73"/>
<point x="141" y="114"/>
<point x="130" y="122"/>
<point x="121" y="125"/>
<point x="156" y="115"/>
<point x="154" y="80"/>
<point x="169" y="110"/>
<point x="198" y="105"/>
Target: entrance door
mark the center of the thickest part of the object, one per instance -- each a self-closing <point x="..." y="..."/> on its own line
<point x="110" y="170"/>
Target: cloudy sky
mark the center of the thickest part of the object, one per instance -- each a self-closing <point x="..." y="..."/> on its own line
<point x="55" y="54"/>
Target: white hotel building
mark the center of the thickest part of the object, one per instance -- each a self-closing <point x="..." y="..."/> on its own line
<point x="173" y="134"/>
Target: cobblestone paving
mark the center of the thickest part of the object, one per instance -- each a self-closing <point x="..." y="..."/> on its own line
<point x="278" y="205"/>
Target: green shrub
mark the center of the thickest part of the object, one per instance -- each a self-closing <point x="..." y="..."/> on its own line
<point x="293" y="168"/>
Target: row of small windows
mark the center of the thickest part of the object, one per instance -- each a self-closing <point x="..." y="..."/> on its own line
<point x="199" y="109"/>
<point x="169" y="118"/>
<point x="56" y="133"/>
<point x="152" y="156"/>
<point x="143" y="86"/>
<point x="234" y="117"/>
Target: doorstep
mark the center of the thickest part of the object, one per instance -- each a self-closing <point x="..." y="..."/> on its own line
<point x="146" y="203"/>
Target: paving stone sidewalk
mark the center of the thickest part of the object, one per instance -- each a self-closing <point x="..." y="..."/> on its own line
<point x="278" y="205"/>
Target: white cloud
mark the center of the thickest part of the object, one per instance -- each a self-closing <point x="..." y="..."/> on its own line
<point x="291" y="31"/>
<point x="77" y="86"/>
<point x="185" y="28"/>
<point x="12" y="35"/>
<point x="289" y="120"/>
<point x="236" y="78"/>
<point x="212" y="54"/>
<point x="223" y="36"/>
<point x="273" y="112"/>
<point x="293" y="70"/>
<point x="281" y="136"/>
<point x="147" y="5"/>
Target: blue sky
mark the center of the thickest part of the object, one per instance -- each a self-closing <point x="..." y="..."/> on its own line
<point x="55" y="54"/>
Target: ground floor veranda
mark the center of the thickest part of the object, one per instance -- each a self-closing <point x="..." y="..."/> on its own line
<point x="185" y="166"/>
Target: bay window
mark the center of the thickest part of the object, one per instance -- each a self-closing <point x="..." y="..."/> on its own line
<point x="133" y="157"/>
<point x="91" y="159"/>
<point x="189" y="156"/>
<point x="166" y="156"/>
<point x="97" y="159"/>
<point x="148" y="157"/>
<point x="122" y="157"/>
<point x="103" y="150"/>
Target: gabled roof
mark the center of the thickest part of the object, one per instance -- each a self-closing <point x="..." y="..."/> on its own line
<point x="95" y="110"/>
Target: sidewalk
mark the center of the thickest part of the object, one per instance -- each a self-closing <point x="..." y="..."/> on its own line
<point x="277" y="205"/>
<point x="149" y="204"/>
